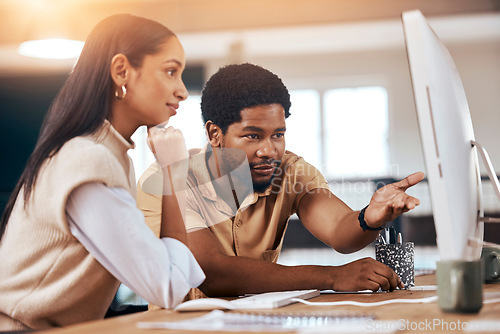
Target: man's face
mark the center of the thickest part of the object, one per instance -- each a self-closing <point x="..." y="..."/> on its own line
<point x="261" y="135"/>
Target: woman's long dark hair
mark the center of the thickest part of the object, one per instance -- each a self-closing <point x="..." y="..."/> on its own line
<point x="84" y="101"/>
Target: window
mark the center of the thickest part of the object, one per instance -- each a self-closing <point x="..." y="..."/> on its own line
<point x="189" y="121"/>
<point x="346" y="136"/>
<point x="303" y="135"/>
<point x="356" y="132"/>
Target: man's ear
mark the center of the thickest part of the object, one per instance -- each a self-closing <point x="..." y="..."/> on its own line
<point x="214" y="134"/>
<point x="120" y="69"/>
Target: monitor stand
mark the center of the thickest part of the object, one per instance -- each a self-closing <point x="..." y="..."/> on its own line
<point x="492" y="175"/>
<point x="477" y="242"/>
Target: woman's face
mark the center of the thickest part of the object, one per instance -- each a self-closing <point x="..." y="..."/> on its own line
<point x="155" y="89"/>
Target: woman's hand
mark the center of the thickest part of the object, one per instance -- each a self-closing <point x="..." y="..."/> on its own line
<point x="169" y="148"/>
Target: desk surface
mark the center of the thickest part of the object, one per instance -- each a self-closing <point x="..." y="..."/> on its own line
<point x="412" y="314"/>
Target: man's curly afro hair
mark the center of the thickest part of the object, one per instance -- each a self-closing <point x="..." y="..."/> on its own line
<point x="236" y="87"/>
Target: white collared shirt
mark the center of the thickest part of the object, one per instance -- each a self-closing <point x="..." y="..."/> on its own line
<point x="108" y="224"/>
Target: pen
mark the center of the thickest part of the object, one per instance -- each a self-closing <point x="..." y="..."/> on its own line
<point x="392" y="235"/>
<point x="400" y="239"/>
<point x="381" y="239"/>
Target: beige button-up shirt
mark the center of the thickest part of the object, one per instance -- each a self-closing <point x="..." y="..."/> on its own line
<point x="256" y="228"/>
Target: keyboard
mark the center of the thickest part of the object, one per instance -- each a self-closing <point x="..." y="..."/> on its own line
<point x="270" y="300"/>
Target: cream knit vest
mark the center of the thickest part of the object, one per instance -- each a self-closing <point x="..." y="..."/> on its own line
<point x="47" y="278"/>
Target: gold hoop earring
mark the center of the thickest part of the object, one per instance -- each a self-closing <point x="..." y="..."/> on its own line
<point x="117" y="94"/>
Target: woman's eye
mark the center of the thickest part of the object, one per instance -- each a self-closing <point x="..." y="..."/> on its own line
<point x="171" y="72"/>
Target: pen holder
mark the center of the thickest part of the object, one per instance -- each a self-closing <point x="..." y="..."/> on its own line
<point x="400" y="258"/>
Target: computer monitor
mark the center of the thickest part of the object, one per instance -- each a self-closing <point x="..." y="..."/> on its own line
<point x="446" y="134"/>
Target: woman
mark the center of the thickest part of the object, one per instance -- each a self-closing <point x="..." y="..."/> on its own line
<point x="71" y="231"/>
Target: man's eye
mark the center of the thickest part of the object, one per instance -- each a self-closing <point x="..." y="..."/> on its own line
<point x="279" y="135"/>
<point x="253" y="136"/>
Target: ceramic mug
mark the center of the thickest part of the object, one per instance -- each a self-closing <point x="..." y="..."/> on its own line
<point x="490" y="257"/>
<point x="460" y="286"/>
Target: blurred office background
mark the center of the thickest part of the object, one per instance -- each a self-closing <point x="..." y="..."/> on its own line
<point x="344" y="61"/>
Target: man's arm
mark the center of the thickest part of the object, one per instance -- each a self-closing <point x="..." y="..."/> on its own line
<point x="334" y="223"/>
<point x="236" y="275"/>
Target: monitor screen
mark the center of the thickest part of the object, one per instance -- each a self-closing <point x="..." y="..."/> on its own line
<point x="446" y="134"/>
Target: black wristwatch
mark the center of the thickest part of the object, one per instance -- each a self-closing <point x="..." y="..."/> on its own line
<point x="363" y="223"/>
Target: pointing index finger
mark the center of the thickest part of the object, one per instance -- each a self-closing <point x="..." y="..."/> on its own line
<point x="409" y="181"/>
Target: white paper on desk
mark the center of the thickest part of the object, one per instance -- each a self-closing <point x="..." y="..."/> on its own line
<point x="372" y="327"/>
<point x="220" y="321"/>
<point x="209" y="322"/>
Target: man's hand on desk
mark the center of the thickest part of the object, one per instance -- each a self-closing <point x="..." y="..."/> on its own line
<point x="391" y="201"/>
<point x="365" y="274"/>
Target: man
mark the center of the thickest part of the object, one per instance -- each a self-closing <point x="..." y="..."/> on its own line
<point x="236" y="233"/>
